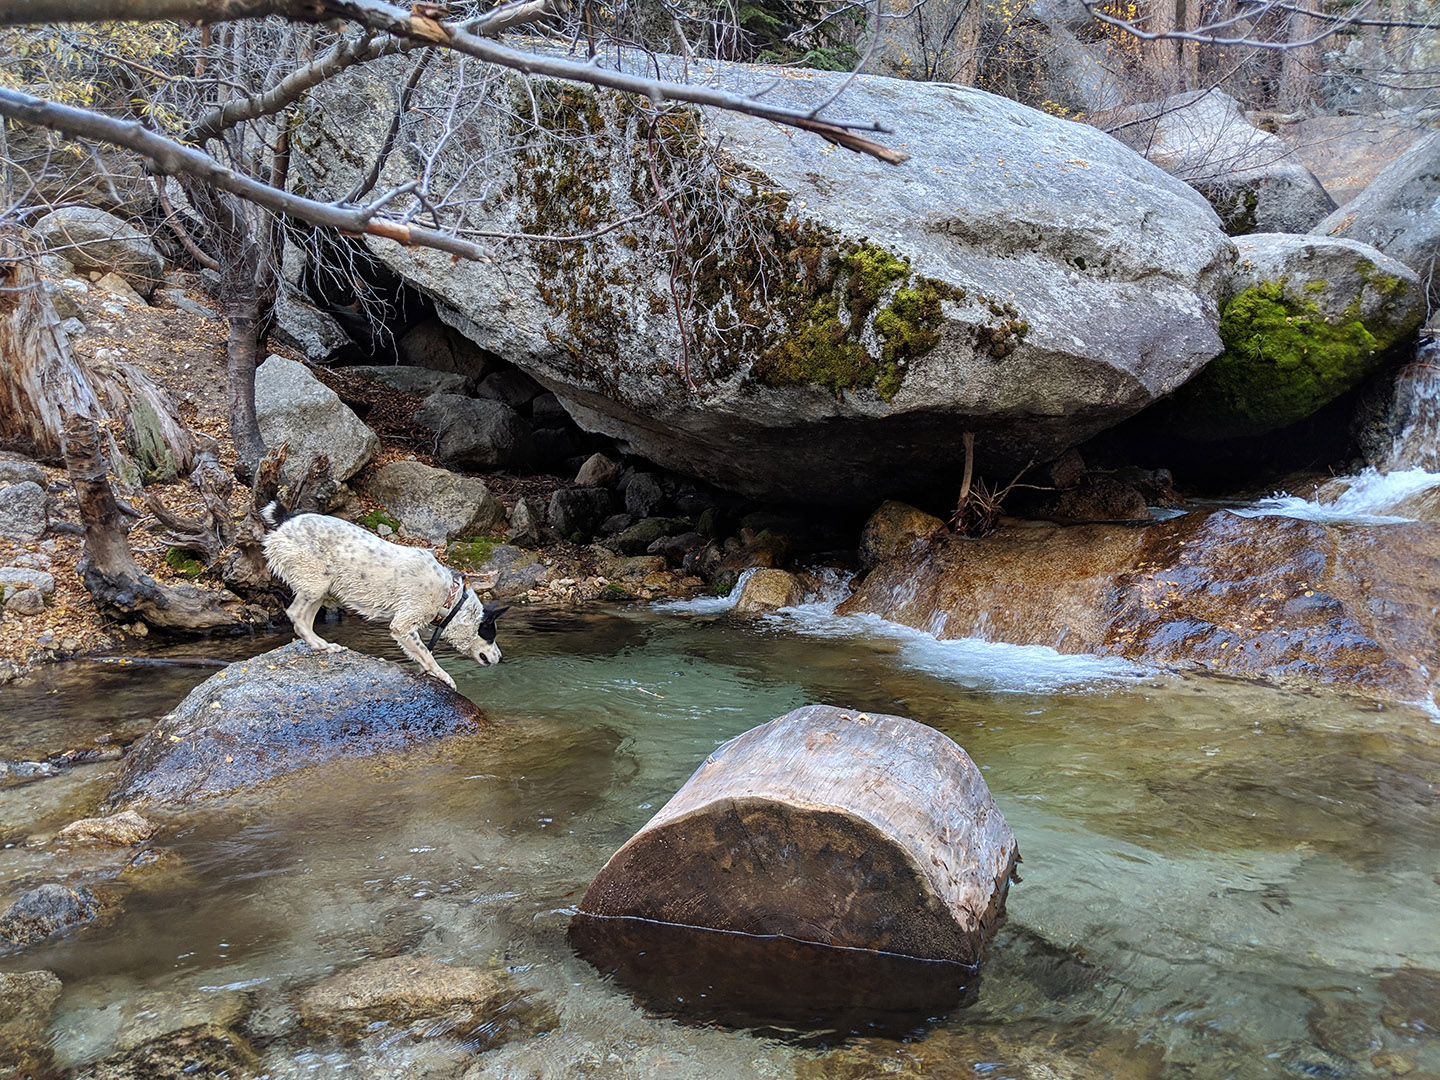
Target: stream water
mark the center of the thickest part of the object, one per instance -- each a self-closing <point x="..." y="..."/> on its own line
<point x="1220" y="879"/>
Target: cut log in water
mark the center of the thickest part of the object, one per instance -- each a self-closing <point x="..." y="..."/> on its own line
<point x="828" y="826"/>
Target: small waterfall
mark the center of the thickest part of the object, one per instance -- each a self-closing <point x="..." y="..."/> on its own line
<point x="1415" y="415"/>
<point x="1403" y="481"/>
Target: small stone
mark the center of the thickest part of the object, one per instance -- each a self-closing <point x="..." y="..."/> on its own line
<point x="123" y="829"/>
<point x="598" y="471"/>
<point x="24" y="602"/>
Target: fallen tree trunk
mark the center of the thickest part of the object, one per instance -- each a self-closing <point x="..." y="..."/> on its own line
<point x="41" y="382"/>
<point x="107" y="566"/>
<point x="826" y="826"/>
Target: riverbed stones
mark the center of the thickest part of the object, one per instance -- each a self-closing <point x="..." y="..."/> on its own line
<point x="282" y="711"/>
<point x="1399" y="213"/>
<point x="27" y="1002"/>
<point x="406" y="990"/>
<point x="1262" y="597"/>
<point x="293" y="406"/>
<point x="828" y="826"/>
<point x="436" y="504"/>
<point x="44" y="912"/>
<point x="1024" y="278"/>
<point x="203" y="1052"/>
<point x="1306" y="319"/>
<point x="1249" y="176"/>
<point x="94" y="240"/>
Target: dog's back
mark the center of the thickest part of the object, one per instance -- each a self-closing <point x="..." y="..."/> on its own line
<point x="317" y="554"/>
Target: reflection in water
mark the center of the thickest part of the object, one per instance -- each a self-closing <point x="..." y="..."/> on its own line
<point x="772" y="985"/>
<point x="1221" y="879"/>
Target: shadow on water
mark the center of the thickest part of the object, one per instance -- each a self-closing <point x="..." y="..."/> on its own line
<point x="810" y="994"/>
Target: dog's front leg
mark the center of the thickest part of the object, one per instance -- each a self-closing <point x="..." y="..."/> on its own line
<point x="409" y="640"/>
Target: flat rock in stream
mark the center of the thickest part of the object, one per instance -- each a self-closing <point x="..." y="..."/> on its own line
<point x="1263" y="597"/>
<point x="284" y="710"/>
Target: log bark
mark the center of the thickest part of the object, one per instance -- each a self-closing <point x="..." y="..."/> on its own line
<point x="107" y="566"/>
<point x="827" y="826"/>
<point x="41" y="382"/>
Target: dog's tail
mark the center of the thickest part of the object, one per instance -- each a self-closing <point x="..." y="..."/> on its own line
<point x="276" y="514"/>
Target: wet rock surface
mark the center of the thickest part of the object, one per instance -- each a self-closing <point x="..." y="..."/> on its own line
<point x="284" y="710"/>
<point x="1260" y="597"/>
<point x="464" y="1001"/>
<point x="46" y="912"/>
<point x="124" y="829"/>
<point x="27" y="1002"/>
<point x="204" y="1052"/>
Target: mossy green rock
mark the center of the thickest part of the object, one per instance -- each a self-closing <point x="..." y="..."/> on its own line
<point x="1306" y="320"/>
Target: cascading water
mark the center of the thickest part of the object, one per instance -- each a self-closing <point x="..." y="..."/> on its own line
<point x="1403" y="484"/>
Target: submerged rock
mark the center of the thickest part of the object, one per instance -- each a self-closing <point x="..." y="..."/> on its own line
<point x="1261" y="597"/>
<point x="45" y="912"/>
<point x="281" y="711"/>
<point x="124" y="829"/>
<point x="462" y="1001"/>
<point x="27" y="1002"/>
<point x="204" y="1052"/>
<point x="1024" y="278"/>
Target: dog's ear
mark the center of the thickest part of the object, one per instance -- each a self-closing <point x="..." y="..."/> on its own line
<point x="493" y="613"/>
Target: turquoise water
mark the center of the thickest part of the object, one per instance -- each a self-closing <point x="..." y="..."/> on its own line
<point x="1220" y="879"/>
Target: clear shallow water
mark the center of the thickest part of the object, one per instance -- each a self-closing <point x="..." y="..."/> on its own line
<point x="1220" y="879"/>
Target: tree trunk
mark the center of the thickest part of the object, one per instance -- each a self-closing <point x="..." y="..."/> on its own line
<point x="1298" y="63"/>
<point x="824" y="826"/>
<point x="1163" y="54"/>
<point x="107" y="567"/>
<point x="41" y="382"/>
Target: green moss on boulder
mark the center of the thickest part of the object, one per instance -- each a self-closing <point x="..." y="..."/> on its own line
<point x="1295" y="342"/>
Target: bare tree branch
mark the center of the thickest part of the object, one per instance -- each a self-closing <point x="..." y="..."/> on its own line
<point x="170" y="157"/>
<point x="420" y="28"/>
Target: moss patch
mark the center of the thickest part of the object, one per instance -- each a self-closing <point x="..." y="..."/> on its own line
<point x="183" y="562"/>
<point x="471" y="553"/>
<point x="1284" y="358"/>
<point x="761" y="292"/>
<point x="375" y="518"/>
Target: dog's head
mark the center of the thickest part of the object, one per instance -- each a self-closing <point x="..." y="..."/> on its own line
<point x="473" y="631"/>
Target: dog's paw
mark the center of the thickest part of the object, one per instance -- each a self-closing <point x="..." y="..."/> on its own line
<point x="333" y="647"/>
<point x="444" y="676"/>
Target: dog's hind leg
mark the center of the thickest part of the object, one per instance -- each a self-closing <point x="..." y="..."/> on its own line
<point x="301" y="613"/>
<point x="409" y="640"/>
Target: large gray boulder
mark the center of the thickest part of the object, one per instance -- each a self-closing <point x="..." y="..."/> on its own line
<point x="1023" y="278"/>
<point x="293" y="406"/>
<point x="1253" y="180"/>
<point x="93" y="240"/>
<point x="282" y="711"/>
<point x="436" y="504"/>
<point x="1307" y="318"/>
<point x="1399" y="213"/>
